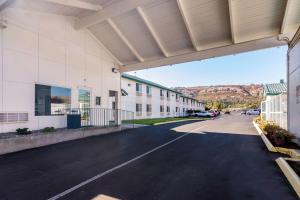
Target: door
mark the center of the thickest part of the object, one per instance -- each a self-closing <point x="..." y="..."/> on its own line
<point x="84" y="100"/>
<point x="113" y="102"/>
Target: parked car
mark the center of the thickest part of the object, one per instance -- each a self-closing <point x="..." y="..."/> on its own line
<point x="243" y="112"/>
<point x="204" y="114"/>
<point x="253" y="112"/>
<point x="227" y="112"/>
<point x="213" y="113"/>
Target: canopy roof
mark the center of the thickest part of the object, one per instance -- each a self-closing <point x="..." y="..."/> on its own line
<point x="275" y="88"/>
<point x="148" y="33"/>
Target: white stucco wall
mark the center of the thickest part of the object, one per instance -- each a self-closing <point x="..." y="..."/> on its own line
<point x="294" y="82"/>
<point x="46" y="49"/>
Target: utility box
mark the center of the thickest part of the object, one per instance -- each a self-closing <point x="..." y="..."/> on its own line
<point x="73" y="121"/>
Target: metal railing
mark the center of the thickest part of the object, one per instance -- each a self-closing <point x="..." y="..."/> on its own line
<point x="103" y="117"/>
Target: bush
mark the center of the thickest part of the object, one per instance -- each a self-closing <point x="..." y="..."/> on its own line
<point x="23" y="131"/>
<point x="48" y="129"/>
<point x="258" y="119"/>
<point x="189" y="111"/>
<point x="261" y="123"/>
<point x="271" y="128"/>
<point x="276" y="134"/>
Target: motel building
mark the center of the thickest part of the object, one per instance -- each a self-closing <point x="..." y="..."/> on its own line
<point x="49" y="68"/>
<point x="151" y="100"/>
<point x="66" y="57"/>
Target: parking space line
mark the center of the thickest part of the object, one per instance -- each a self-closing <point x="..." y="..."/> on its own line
<point x="120" y="166"/>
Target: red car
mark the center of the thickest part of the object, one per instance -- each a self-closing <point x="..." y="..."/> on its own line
<point x="213" y="112"/>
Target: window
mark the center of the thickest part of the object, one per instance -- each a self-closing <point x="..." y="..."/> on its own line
<point x="51" y="100"/>
<point x="161" y="93"/>
<point x="149" y="108"/>
<point x="168" y="109"/>
<point x="138" y="87"/>
<point x="161" y="108"/>
<point x="177" y="109"/>
<point x="177" y="96"/>
<point x="148" y="90"/>
<point x="168" y="94"/>
<point x="138" y="108"/>
<point x="98" y="101"/>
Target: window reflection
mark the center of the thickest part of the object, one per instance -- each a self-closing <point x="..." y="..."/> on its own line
<point x="51" y="100"/>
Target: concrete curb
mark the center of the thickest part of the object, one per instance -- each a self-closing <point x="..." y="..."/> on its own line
<point x="257" y="128"/>
<point x="290" y="174"/>
<point x="291" y="152"/>
<point x="160" y="123"/>
<point x="14" y="144"/>
<point x="264" y="138"/>
<point x="268" y="143"/>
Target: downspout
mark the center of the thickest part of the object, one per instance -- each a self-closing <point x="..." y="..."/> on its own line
<point x="287" y="40"/>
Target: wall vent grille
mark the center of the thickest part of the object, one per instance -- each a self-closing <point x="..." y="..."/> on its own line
<point x="13" y="117"/>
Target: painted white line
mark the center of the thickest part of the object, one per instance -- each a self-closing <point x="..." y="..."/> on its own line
<point x="119" y="166"/>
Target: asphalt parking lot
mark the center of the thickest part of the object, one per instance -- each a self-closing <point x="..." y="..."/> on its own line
<point x="215" y="159"/>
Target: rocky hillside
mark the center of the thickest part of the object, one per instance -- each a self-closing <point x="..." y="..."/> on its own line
<point x="224" y="93"/>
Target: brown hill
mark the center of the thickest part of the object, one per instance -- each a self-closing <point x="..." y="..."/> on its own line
<point x="224" y="93"/>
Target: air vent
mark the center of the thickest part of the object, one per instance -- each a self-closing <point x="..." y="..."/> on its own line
<point x="13" y="117"/>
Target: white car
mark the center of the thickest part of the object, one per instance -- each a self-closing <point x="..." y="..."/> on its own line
<point x="203" y="114"/>
<point x="253" y="112"/>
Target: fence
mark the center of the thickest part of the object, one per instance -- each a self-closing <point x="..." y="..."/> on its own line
<point x="103" y="117"/>
<point x="274" y="109"/>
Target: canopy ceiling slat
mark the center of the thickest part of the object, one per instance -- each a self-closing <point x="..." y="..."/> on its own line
<point x="149" y="33"/>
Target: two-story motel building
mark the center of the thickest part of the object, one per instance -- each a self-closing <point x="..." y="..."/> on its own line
<point x="151" y="100"/>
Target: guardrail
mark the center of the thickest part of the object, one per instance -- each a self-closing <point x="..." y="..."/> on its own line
<point x="103" y="117"/>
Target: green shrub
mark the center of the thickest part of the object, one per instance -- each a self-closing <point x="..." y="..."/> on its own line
<point x="48" y="129"/>
<point x="189" y="111"/>
<point x="23" y="131"/>
<point x="276" y="134"/>
<point x="271" y="128"/>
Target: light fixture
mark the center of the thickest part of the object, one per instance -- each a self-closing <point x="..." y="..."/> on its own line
<point x="115" y="70"/>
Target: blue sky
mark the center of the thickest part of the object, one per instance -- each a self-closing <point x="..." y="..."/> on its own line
<point x="262" y="66"/>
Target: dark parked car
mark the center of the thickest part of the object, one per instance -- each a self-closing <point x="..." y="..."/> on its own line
<point x="227" y="112"/>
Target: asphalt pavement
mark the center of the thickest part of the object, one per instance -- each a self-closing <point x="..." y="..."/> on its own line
<point x="215" y="159"/>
